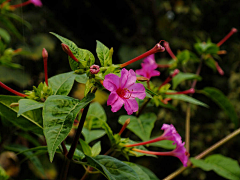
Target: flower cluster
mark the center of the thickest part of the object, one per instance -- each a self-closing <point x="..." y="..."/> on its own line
<point x="171" y="134"/>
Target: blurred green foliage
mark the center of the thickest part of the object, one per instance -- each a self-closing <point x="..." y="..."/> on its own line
<point x="131" y="28"/>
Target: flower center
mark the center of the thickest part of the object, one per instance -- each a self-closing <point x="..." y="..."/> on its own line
<point x="124" y="93"/>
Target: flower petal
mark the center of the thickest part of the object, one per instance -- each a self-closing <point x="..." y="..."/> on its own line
<point x="181" y="153"/>
<point x="131" y="106"/>
<point x="117" y="104"/>
<point x="111" y="82"/>
<point x="112" y="98"/>
<point x="137" y="90"/>
<point x="127" y="78"/>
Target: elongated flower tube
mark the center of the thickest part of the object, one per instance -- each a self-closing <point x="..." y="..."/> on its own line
<point x="148" y="67"/>
<point x="67" y="50"/>
<point x="170" y="133"/>
<point x="168" y="49"/>
<point x="124" y="90"/>
<point x="11" y="90"/>
<point x="219" y="69"/>
<point x="35" y="2"/>
<point x="127" y="122"/>
<point x="45" y="58"/>
<point x="179" y="152"/>
<point x="155" y="49"/>
<point x="175" y="72"/>
<point x="233" y="30"/>
<point x="189" y="91"/>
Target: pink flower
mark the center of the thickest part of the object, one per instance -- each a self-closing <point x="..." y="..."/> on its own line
<point x="170" y="133"/>
<point x="181" y="153"/>
<point x="36" y="2"/>
<point x="124" y="90"/>
<point x="148" y="67"/>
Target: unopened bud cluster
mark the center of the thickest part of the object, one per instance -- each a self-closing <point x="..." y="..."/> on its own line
<point x="40" y="93"/>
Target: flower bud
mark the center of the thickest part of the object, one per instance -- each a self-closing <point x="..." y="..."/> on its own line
<point x="94" y="69"/>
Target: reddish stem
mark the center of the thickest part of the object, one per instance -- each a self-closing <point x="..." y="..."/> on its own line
<point x="189" y="91"/>
<point x="164" y="65"/>
<point x="176" y="71"/>
<point x="219" y="69"/>
<point x="45" y="58"/>
<point x="127" y="122"/>
<point x="168" y="49"/>
<point x="11" y="90"/>
<point x="233" y="30"/>
<point x="154" y="153"/>
<point x="155" y="49"/>
<point x="146" y="142"/>
<point x="20" y="5"/>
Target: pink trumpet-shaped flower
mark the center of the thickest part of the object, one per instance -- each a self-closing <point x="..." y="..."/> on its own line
<point x="148" y="67"/>
<point x="170" y="133"/>
<point x="124" y="90"/>
<point x="179" y="152"/>
<point x="36" y="2"/>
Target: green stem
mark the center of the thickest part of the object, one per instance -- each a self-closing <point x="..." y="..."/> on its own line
<point x="142" y="107"/>
<point x="204" y="153"/>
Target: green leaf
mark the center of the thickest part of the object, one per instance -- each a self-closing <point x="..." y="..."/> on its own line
<point x="89" y="85"/>
<point x="85" y="57"/>
<point x="96" y="149"/>
<point x="150" y="174"/>
<point x="3" y="174"/>
<point x="104" y="54"/>
<point x="141" y="126"/>
<point x="81" y="78"/>
<point x="218" y="97"/>
<point x="91" y="135"/>
<point x="4" y="35"/>
<point x="112" y="168"/>
<point x="59" y="113"/>
<point x="166" y="144"/>
<point x="183" y="57"/>
<point x="62" y="84"/>
<point x="141" y="174"/>
<point x="182" y="77"/>
<point x="28" y="105"/>
<point x="186" y="98"/>
<point x="223" y="166"/>
<point x="95" y="113"/>
<point x="28" y="121"/>
<point x="77" y="153"/>
<point x="72" y="46"/>
<point x="206" y="48"/>
<point x="86" y="148"/>
<point x="108" y="132"/>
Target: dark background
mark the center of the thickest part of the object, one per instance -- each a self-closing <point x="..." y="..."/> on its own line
<point x="131" y="28"/>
